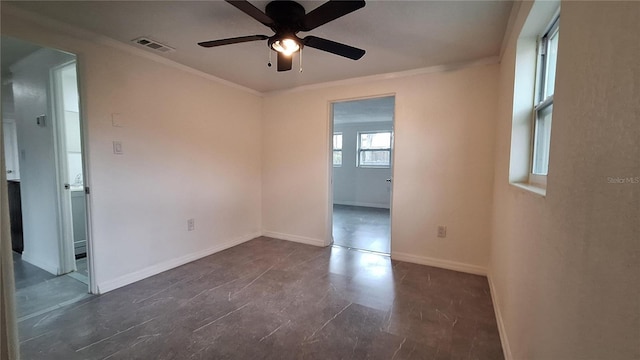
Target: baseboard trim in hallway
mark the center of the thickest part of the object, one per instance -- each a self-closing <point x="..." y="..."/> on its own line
<point x="445" y="264"/>
<point x="294" y="238"/>
<point x="170" y="264"/>
<point x="501" y="329"/>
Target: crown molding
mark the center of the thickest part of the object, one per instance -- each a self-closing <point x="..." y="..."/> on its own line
<point x="389" y="76"/>
<point x="74" y="32"/>
<point x="513" y="18"/>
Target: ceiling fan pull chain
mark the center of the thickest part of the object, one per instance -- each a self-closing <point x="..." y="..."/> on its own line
<point x="301" y="59"/>
<point x="269" y="63"/>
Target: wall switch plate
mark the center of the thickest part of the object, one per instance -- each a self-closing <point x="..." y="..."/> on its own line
<point x="442" y="231"/>
<point x="191" y="224"/>
<point x="117" y="147"/>
<point x="41" y="120"/>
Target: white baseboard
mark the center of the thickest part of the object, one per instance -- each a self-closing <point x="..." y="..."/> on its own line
<point x="127" y="279"/>
<point x="363" y="204"/>
<point x="49" y="267"/>
<point x="294" y="238"/>
<point x="445" y="264"/>
<point x="506" y="349"/>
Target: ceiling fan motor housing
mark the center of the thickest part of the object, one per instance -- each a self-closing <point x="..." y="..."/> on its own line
<point x="287" y="15"/>
<point x="288" y="19"/>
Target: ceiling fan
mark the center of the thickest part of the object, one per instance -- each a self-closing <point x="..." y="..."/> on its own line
<point x="287" y="18"/>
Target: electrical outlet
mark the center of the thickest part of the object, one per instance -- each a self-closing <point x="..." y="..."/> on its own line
<point x="191" y="224"/>
<point x="442" y="231"/>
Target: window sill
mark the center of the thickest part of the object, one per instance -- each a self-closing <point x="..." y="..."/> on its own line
<point x="534" y="189"/>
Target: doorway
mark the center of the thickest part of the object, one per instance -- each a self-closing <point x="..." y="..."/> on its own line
<point x="45" y="168"/>
<point x="362" y="173"/>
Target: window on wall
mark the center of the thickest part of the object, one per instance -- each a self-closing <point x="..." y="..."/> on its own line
<point x="337" y="149"/>
<point x="543" y="106"/>
<point x="374" y="149"/>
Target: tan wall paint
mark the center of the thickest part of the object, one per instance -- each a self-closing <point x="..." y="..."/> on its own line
<point x="443" y="162"/>
<point x="191" y="150"/>
<point x="565" y="269"/>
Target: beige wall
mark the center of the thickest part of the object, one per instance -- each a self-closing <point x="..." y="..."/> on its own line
<point x="444" y="135"/>
<point x="191" y="150"/>
<point x="565" y="268"/>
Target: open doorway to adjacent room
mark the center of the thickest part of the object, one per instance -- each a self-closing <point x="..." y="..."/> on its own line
<point x="362" y="173"/>
<point x="42" y="135"/>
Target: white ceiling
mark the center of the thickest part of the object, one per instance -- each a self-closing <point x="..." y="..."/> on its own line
<point x="397" y="35"/>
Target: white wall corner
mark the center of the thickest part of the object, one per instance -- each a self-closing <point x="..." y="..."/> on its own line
<point x="294" y="238"/>
<point x="41" y="263"/>
<point x="506" y="349"/>
<point x="439" y="263"/>
<point x="149" y="271"/>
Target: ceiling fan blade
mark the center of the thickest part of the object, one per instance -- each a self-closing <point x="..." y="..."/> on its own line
<point x="329" y="11"/>
<point x="247" y="8"/>
<point x="284" y="62"/>
<point x="234" y="40"/>
<point x="333" y="47"/>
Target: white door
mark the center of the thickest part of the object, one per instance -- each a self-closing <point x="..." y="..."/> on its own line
<point x="70" y="164"/>
<point x="11" y="149"/>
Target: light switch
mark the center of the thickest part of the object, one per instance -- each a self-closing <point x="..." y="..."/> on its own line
<point x="41" y="120"/>
<point x="442" y="231"/>
<point x="117" y="147"/>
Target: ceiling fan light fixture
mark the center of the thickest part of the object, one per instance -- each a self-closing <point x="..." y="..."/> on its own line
<point x="286" y="18"/>
<point x="286" y="46"/>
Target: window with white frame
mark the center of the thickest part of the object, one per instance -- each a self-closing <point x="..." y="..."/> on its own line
<point x="337" y="149"/>
<point x="374" y="149"/>
<point x="543" y="106"/>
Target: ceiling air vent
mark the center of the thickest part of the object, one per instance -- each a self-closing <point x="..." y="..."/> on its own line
<point x="152" y="44"/>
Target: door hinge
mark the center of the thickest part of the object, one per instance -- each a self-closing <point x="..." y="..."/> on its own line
<point x="87" y="190"/>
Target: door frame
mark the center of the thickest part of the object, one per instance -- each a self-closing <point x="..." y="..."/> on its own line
<point x="329" y="222"/>
<point x="67" y="253"/>
<point x="65" y="219"/>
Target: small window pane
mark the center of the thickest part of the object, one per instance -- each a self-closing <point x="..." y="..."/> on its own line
<point x="375" y="157"/>
<point x="380" y="140"/>
<point x="337" y="141"/>
<point x="541" y="141"/>
<point x="337" y="157"/>
<point x="552" y="59"/>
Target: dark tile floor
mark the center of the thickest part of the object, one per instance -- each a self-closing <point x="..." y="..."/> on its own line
<point x="38" y="291"/>
<point x="273" y="299"/>
<point x="362" y="228"/>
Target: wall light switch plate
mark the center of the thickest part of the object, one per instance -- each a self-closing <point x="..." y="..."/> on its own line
<point x="117" y="147"/>
<point x="442" y="231"/>
<point x="41" y="120"/>
<point x="191" y="224"/>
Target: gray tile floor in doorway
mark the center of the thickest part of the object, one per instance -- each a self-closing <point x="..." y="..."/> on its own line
<point x="362" y="228"/>
<point x="38" y="291"/>
<point x="274" y="299"/>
